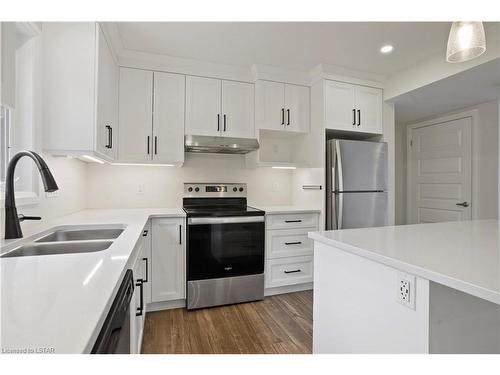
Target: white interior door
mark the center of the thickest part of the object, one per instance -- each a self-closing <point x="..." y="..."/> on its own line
<point x="439" y="172"/>
<point x="238" y="109"/>
<point x="203" y="106"/>
<point x="168" y="118"/>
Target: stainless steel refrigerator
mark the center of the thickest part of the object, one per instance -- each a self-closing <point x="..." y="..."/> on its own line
<point x="356" y="184"/>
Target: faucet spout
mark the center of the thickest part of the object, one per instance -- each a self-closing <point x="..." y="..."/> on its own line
<point x="12" y="226"/>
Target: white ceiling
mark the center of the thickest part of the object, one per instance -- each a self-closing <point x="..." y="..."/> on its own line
<point x="474" y="86"/>
<point x="299" y="45"/>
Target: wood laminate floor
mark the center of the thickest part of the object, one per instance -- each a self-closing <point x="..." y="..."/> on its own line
<point x="279" y="324"/>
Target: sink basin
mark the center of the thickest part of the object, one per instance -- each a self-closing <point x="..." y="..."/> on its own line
<point x="81" y="235"/>
<point x="33" y="249"/>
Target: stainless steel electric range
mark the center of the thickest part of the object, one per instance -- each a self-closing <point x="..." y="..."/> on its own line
<point x="225" y="245"/>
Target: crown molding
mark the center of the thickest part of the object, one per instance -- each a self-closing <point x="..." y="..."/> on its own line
<point x="273" y="73"/>
<point x="343" y="74"/>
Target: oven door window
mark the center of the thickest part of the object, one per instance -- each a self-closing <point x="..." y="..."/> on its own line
<point x="223" y="250"/>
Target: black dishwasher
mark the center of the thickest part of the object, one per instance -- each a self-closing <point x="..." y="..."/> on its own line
<point x="114" y="337"/>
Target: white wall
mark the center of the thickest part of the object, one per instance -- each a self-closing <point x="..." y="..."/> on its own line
<point x="71" y="177"/>
<point x="485" y="163"/>
<point x="111" y="186"/>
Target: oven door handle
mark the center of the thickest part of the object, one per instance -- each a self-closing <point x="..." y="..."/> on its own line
<point x="225" y="220"/>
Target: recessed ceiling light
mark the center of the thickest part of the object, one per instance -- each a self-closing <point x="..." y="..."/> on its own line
<point x="386" y="49"/>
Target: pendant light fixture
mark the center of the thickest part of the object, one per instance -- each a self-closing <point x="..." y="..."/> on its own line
<point x="465" y="42"/>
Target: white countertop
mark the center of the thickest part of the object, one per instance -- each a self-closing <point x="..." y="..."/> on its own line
<point x="61" y="301"/>
<point x="277" y="210"/>
<point x="461" y="255"/>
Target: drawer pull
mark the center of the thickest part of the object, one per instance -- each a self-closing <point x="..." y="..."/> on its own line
<point x="293" y="221"/>
<point x="294" y="243"/>
<point x="294" y="271"/>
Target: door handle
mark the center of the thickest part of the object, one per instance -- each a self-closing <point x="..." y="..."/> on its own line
<point x="353" y="117"/>
<point x="293" y="221"/>
<point x="282" y="116"/>
<point x="294" y="271"/>
<point x="293" y="243"/>
<point x="147" y="272"/>
<point x="288" y="116"/>
<point x="218" y="122"/>
<point x="140" y="309"/>
<point x="180" y="234"/>
<point x="110" y="135"/>
<point x="359" y="117"/>
<point x="156" y="145"/>
<point x="148" y="144"/>
<point x="224" y="122"/>
<point x="463" y="204"/>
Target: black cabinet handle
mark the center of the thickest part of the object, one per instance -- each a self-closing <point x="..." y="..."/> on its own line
<point x="293" y="221"/>
<point x="294" y="271"/>
<point x="293" y="243"/>
<point x="224" y="122"/>
<point x="288" y="116"/>
<point x="282" y="116"/>
<point x="22" y="217"/>
<point x="110" y="137"/>
<point x="218" y="122"/>
<point x="145" y="233"/>
<point x="180" y="234"/>
<point x="148" y="144"/>
<point x="140" y="309"/>
<point x="359" y="117"/>
<point x="108" y="144"/>
<point x="353" y="117"/>
<point x="156" y="145"/>
<point x="147" y="272"/>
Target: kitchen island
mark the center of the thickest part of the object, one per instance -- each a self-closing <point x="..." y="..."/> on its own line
<point x="427" y="288"/>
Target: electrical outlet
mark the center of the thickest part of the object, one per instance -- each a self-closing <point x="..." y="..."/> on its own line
<point x="405" y="292"/>
<point x="140" y="189"/>
<point x="52" y="194"/>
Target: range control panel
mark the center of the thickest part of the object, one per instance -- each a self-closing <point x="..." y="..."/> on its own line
<point x="216" y="190"/>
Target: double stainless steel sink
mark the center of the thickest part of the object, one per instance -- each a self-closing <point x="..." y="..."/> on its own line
<point x="69" y="240"/>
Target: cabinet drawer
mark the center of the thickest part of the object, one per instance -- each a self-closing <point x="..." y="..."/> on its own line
<point x="286" y="221"/>
<point x="288" y="242"/>
<point x="288" y="271"/>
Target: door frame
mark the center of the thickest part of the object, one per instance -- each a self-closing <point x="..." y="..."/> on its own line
<point x="473" y="115"/>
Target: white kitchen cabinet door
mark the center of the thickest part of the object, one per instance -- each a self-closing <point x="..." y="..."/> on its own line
<point x="107" y="98"/>
<point x="168" y="260"/>
<point x="135" y="115"/>
<point x="297" y="108"/>
<point x="203" y="106"/>
<point x="369" y="109"/>
<point x="238" y="109"/>
<point x="269" y="105"/>
<point x="146" y="263"/>
<point x="340" y="106"/>
<point x="168" y="118"/>
<point x="137" y="304"/>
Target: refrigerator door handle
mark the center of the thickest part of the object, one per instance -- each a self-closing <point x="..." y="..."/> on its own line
<point x="339" y="176"/>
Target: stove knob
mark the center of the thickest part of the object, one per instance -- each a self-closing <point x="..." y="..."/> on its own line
<point x="190" y="189"/>
<point x="235" y="189"/>
<point x="241" y="189"/>
<point x="197" y="189"/>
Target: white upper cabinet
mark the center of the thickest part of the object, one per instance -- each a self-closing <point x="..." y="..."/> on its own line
<point x="237" y="109"/>
<point x="136" y="103"/>
<point x="203" y="106"/>
<point x="80" y="90"/>
<point x="353" y="108"/>
<point x="217" y="107"/>
<point x="168" y="118"/>
<point x="151" y="117"/>
<point x="280" y="106"/>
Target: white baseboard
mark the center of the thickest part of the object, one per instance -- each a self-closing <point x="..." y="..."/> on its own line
<point x="288" y="289"/>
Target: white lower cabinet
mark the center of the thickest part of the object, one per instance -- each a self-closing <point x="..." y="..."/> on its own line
<point x="142" y="289"/>
<point x="289" y="252"/>
<point x="168" y="260"/>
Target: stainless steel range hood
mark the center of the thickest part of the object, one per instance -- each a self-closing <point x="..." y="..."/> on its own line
<point x="219" y="145"/>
